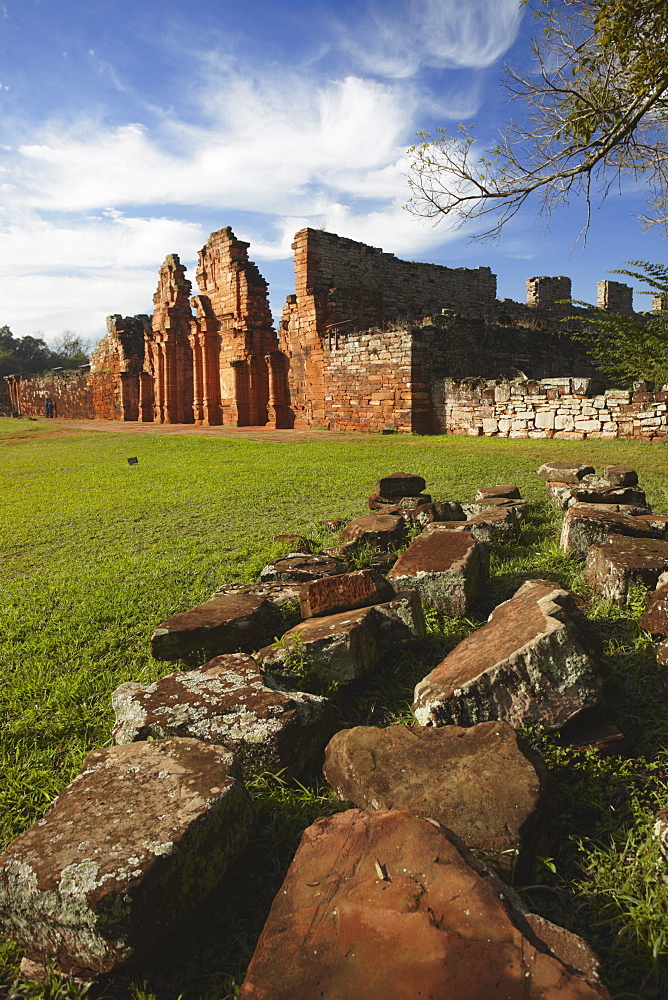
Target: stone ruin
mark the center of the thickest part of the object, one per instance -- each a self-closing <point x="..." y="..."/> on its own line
<point x="367" y="342"/>
<point x="385" y="894"/>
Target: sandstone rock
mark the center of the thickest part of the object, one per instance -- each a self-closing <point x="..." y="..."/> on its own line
<point x="477" y="507"/>
<point x="618" y="562"/>
<point x="658" y="522"/>
<point x="379" y="530"/>
<point x="300" y="568"/>
<point x="446" y="567"/>
<point x="277" y="593"/>
<point x="344" y="592"/>
<point x="655" y="619"/>
<point x="447" y="510"/>
<point x="559" y="494"/>
<point x="620" y="475"/>
<point x="564" y="472"/>
<point x="126" y="851"/>
<point x="387" y="905"/>
<point x="584" y="527"/>
<point x="228" y="702"/>
<point x="396" y="505"/>
<point x="475" y="781"/>
<point x="596" y="490"/>
<point x="225" y="624"/>
<point x="399" y="484"/>
<point x="532" y="662"/>
<point x="507" y="491"/>
<point x="327" y="653"/>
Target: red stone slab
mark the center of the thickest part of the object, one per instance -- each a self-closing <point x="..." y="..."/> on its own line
<point x="344" y="592"/>
<point x="532" y="662"/>
<point x="617" y="563"/>
<point x="446" y="567"/>
<point x="226" y="624"/>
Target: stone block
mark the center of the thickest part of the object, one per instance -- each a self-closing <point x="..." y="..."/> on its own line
<point x="446" y="567"/>
<point x="534" y="661"/>
<point x="559" y="494"/>
<point x="655" y="618"/>
<point x="228" y="702"/>
<point x="486" y="505"/>
<point x="586" y="525"/>
<point x="344" y="592"/>
<point x="658" y="522"/>
<point x="226" y="624"/>
<point x="298" y="567"/>
<point x="476" y="781"/>
<point x="597" y="490"/>
<point x="619" y="562"/>
<point x="507" y="491"/>
<point x="323" y="654"/>
<point x="126" y="852"/>
<point x="496" y="525"/>
<point x="276" y="593"/>
<point x="399" y="484"/>
<point x="621" y="475"/>
<point x="564" y="472"/>
<point x="545" y="420"/>
<point x="397" y="504"/>
<point x="385" y="904"/>
<point x="382" y="531"/>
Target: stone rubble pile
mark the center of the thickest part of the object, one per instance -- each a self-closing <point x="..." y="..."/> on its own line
<point x="385" y="896"/>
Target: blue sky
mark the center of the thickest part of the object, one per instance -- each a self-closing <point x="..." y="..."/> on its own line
<point x="130" y="129"/>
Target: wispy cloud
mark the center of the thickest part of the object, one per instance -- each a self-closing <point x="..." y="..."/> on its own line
<point x="396" y="39"/>
<point x="92" y="208"/>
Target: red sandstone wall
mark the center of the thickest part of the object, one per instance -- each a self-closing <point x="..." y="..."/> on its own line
<point x="80" y="395"/>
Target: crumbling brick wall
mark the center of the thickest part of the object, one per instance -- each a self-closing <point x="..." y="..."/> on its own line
<point x="342" y="288"/>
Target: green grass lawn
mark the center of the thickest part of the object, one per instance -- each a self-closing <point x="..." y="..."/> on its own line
<point x="94" y="553"/>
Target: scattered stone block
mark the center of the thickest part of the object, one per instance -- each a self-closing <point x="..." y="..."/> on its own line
<point x="476" y="781"/>
<point x="621" y="475"/>
<point x="596" y="490"/>
<point x="125" y="853"/>
<point x="564" y="472"/>
<point x="277" y="593"/>
<point x="585" y="526"/>
<point x="399" y="484"/>
<point x="228" y="702"/>
<point x="324" y="654"/>
<point x="379" y="530"/>
<point x="506" y="492"/>
<point x="477" y="507"/>
<point x="659" y="523"/>
<point x="226" y="624"/>
<point x="447" y="510"/>
<point x="397" y="505"/>
<point x="617" y="563"/>
<point x="385" y="904"/>
<point x="655" y="619"/>
<point x="446" y="567"/>
<point x="344" y="592"/>
<point x="559" y="494"/>
<point x="534" y="661"/>
<point x="297" y="567"/>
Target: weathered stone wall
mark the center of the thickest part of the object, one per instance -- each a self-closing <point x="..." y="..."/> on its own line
<point x="79" y="394"/>
<point x="559" y="407"/>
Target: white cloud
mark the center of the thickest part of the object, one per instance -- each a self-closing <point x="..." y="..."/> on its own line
<point x="287" y="147"/>
<point x="398" y="38"/>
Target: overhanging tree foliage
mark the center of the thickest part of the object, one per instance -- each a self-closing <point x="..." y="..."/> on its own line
<point x="625" y="347"/>
<point x="597" y="110"/>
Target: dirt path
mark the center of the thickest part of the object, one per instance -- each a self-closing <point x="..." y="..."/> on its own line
<point x="267" y="434"/>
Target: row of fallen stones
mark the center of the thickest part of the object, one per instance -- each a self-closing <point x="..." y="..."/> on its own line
<point x="381" y="896"/>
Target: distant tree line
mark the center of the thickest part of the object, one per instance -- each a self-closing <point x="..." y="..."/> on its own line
<point x="32" y="355"/>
